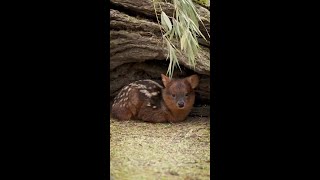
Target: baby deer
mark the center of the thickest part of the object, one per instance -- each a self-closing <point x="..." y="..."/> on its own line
<point x="149" y="101"/>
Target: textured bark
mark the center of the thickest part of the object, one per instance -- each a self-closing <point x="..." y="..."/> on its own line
<point x="145" y="8"/>
<point x="137" y="50"/>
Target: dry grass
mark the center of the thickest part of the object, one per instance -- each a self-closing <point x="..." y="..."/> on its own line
<point x="141" y="150"/>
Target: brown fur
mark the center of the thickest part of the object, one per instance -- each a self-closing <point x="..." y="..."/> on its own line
<point x="149" y="101"/>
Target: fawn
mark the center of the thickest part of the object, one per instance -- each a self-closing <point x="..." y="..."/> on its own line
<point x="149" y="101"/>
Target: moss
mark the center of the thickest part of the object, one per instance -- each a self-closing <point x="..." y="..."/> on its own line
<point x="140" y="150"/>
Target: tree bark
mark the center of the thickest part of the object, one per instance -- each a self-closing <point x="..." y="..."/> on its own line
<point x="137" y="50"/>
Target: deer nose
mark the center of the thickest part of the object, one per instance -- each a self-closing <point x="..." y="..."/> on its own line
<point x="180" y="104"/>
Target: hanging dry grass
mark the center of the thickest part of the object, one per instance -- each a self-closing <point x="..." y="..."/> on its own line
<point x="183" y="26"/>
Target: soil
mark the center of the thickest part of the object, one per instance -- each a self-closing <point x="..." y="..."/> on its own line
<point x="140" y="150"/>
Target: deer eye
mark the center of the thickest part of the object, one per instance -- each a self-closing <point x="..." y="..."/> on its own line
<point x="187" y="95"/>
<point x="173" y="95"/>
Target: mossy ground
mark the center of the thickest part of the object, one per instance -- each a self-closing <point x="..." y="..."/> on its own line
<point x="140" y="150"/>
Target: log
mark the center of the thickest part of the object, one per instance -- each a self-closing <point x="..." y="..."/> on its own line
<point x="137" y="50"/>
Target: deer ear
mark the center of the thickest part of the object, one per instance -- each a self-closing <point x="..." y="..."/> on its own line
<point x="193" y="80"/>
<point x="165" y="80"/>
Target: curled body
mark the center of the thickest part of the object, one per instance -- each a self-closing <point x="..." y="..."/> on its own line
<point x="149" y="101"/>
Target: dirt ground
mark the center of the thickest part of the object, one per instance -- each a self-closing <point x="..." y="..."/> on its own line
<point x="140" y="150"/>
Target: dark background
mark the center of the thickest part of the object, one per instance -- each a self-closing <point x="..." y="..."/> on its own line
<point x="55" y="96"/>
